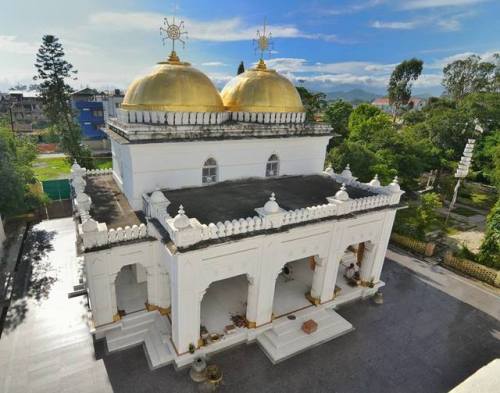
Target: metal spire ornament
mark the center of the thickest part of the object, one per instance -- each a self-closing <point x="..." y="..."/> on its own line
<point x="263" y="44"/>
<point x="173" y="32"/>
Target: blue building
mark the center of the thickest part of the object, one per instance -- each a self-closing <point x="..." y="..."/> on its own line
<point x="89" y="113"/>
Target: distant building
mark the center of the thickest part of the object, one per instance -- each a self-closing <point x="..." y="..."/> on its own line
<point x="93" y="109"/>
<point x="24" y="109"/>
<point x="89" y="113"/>
<point x="383" y="104"/>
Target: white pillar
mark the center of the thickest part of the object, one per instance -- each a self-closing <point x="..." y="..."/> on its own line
<point x="319" y="279"/>
<point x="367" y="263"/>
<point x="186" y="305"/>
<point x="382" y="245"/>
<point x="252" y="302"/>
<point x="331" y="271"/>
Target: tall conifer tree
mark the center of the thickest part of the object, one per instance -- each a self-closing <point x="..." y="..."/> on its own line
<point x="53" y="70"/>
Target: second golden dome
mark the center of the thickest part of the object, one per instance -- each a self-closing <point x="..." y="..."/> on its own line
<point x="261" y="90"/>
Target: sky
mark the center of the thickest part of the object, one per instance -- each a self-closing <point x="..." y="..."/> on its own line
<point x="324" y="45"/>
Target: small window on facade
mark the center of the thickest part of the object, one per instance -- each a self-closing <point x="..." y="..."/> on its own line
<point x="209" y="173"/>
<point x="273" y="166"/>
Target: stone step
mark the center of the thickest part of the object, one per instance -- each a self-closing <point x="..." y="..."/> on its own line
<point x="293" y="341"/>
<point x="150" y="328"/>
<point x="127" y="340"/>
<point x="289" y="336"/>
<point x="157" y="351"/>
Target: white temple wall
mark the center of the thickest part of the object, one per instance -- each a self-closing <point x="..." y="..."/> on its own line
<point x="102" y="267"/>
<point x="145" y="167"/>
<point x="261" y="258"/>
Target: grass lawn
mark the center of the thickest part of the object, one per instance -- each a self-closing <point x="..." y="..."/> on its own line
<point x="103" y="163"/>
<point x="60" y="168"/>
<point x="51" y="168"/>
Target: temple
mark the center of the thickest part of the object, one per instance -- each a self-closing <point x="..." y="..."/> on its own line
<point x="218" y="224"/>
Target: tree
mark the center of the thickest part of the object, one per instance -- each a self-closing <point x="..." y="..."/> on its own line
<point x="471" y="75"/>
<point x="313" y="102"/>
<point x="241" y="68"/>
<point x="337" y="115"/>
<point x="400" y="83"/>
<point x="17" y="192"/>
<point x="373" y="146"/>
<point x="489" y="253"/>
<point x="52" y="72"/>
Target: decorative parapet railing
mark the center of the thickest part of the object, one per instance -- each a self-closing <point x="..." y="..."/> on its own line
<point x="97" y="172"/>
<point x="207" y="118"/>
<point x="92" y="233"/>
<point x="185" y="231"/>
<point x="172" y="118"/>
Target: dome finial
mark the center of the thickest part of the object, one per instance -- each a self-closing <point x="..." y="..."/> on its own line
<point x="173" y="32"/>
<point x="263" y="43"/>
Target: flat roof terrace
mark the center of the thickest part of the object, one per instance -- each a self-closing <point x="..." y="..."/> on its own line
<point x="237" y="199"/>
<point x="109" y="205"/>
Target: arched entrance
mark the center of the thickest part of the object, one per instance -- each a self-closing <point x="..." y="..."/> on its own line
<point x="355" y="268"/>
<point x="293" y="285"/>
<point x="131" y="289"/>
<point x="224" y="304"/>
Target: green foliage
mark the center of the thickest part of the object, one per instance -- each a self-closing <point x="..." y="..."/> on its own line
<point x="52" y="72"/>
<point x="418" y="220"/>
<point x="374" y="146"/>
<point x="489" y="253"/>
<point x="16" y="174"/>
<point x="400" y="83"/>
<point x="313" y="103"/>
<point x="465" y="253"/>
<point x="337" y="115"/>
<point x="471" y="75"/>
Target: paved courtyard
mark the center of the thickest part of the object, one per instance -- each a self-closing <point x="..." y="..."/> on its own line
<point x="420" y="340"/>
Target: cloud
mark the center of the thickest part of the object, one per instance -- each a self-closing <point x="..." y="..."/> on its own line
<point x="213" y="64"/>
<point x="232" y="29"/>
<point x="352" y="8"/>
<point x="395" y="25"/>
<point x="10" y="44"/>
<point x="444" y="22"/>
<point x="421" y="4"/>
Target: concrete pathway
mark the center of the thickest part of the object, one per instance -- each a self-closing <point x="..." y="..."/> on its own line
<point x="46" y="345"/>
<point x="464" y="289"/>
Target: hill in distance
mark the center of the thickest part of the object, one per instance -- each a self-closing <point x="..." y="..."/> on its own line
<point x="353" y="95"/>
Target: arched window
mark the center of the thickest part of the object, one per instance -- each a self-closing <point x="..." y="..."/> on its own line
<point x="273" y="166"/>
<point x="209" y="173"/>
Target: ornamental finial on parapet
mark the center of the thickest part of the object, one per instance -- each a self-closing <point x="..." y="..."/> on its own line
<point x="375" y="182"/>
<point x="181" y="220"/>
<point x="342" y="195"/>
<point x="271" y="205"/>
<point x="394" y="186"/>
<point x="346" y="172"/>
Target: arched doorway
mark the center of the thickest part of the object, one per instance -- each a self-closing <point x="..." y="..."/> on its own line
<point x="293" y="285"/>
<point x="354" y="268"/>
<point x="224" y="306"/>
<point x="131" y="289"/>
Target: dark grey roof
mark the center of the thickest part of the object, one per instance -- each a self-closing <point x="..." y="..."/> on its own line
<point x="237" y="199"/>
<point x="109" y="205"/>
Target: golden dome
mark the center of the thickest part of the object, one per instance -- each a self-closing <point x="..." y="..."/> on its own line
<point x="173" y="86"/>
<point x="261" y="90"/>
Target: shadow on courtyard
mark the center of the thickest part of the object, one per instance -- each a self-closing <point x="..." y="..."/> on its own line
<point x="419" y="340"/>
<point x="33" y="279"/>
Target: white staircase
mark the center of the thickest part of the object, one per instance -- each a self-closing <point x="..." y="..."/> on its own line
<point x="150" y="328"/>
<point x="286" y="337"/>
